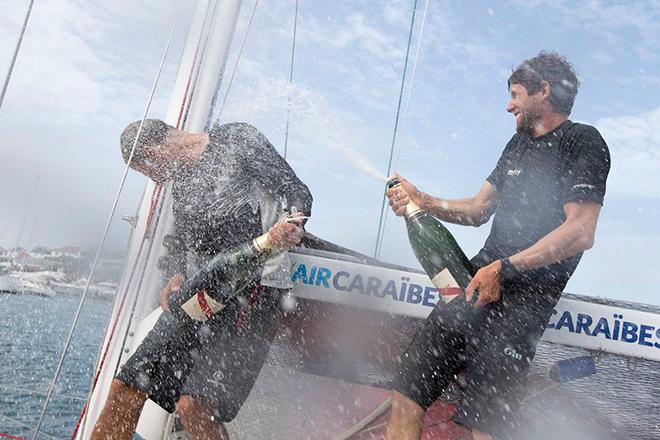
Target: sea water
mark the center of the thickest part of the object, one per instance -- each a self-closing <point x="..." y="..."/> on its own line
<point x="33" y="332"/>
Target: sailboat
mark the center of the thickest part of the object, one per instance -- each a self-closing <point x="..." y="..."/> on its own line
<point x="328" y="374"/>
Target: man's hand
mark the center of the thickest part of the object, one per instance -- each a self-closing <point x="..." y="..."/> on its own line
<point x="401" y="195"/>
<point x="173" y="285"/>
<point x="487" y="282"/>
<point x="287" y="233"/>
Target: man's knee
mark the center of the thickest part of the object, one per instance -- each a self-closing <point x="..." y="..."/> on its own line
<point x="186" y="406"/>
<point x="120" y="391"/>
<point x="406" y="407"/>
<point x="192" y="408"/>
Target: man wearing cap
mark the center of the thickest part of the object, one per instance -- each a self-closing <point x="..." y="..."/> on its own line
<point x="545" y="192"/>
<point x="228" y="186"/>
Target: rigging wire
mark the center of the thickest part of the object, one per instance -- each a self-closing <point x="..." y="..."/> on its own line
<point x="405" y="120"/>
<point x="288" y="107"/>
<point x="107" y="227"/>
<point x="396" y="126"/>
<point x="238" y="58"/>
<point x="16" y="49"/>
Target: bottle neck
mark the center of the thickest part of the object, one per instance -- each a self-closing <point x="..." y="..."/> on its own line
<point x="411" y="210"/>
<point x="261" y="242"/>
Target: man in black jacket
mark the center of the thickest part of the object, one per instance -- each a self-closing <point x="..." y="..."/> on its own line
<point x="546" y="193"/>
<point x="229" y="186"/>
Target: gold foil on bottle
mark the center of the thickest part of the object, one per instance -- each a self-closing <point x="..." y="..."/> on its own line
<point x="411" y="209"/>
<point x="261" y="242"/>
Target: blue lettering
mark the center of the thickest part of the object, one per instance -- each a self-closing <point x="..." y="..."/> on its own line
<point x="602" y="327"/>
<point x="335" y="280"/>
<point x="645" y="332"/>
<point x="429" y="296"/>
<point x="657" y="335"/>
<point x="404" y="286"/>
<point x="566" y="320"/>
<point x="414" y="294"/>
<point x="551" y="325"/>
<point x="301" y="273"/>
<point x="582" y="323"/>
<point x="629" y="332"/>
<point x="312" y="274"/>
<point x="390" y="289"/>
<point x="323" y="277"/>
<point x="372" y="286"/>
<point x="617" y="325"/>
<point x="357" y="284"/>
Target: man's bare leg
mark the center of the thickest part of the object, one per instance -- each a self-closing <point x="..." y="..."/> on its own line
<point x="198" y="420"/>
<point x="120" y="413"/>
<point x="406" y="420"/>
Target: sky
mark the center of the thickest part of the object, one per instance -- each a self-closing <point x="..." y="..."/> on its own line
<point x="86" y="68"/>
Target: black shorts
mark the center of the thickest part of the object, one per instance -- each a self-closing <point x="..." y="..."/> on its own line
<point x="217" y="361"/>
<point x="495" y="345"/>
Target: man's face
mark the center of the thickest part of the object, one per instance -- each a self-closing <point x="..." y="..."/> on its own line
<point x="525" y="108"/>
<point x="155" y="163"/>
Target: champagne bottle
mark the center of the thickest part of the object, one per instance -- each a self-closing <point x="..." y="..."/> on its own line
<point x="437" y="251"/>
<point x="207" y="290"/>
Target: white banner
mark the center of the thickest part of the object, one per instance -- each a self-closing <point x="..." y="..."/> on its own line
<point x="576" y="323"/>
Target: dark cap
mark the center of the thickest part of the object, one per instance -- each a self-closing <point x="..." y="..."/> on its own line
<point x="154" y="132"/>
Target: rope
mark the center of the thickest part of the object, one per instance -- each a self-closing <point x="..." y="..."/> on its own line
<point x="16" y="49"/>
<point x="405" y="118"/>
<point x="396" y="126"/>
<point x="107" y="228"/>
<point x="382" y="408"/>
<point x="288" y="107"/>
<point x="238" y="58"/>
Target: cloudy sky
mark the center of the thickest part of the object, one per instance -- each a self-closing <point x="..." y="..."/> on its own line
<point x="86" y="67"/>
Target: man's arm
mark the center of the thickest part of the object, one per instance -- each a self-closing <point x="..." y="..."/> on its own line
<point x="471" y="211"/>
<point x="576" y="234"/>
<point x="267" y="167"/>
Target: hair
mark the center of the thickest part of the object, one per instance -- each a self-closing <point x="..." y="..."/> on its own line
<point x="154" y="132"/>
<point x="556" y="71"/>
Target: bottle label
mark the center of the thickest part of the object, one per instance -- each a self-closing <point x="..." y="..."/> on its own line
<point x="201" y="306"/>
<point x="447" y="286"/>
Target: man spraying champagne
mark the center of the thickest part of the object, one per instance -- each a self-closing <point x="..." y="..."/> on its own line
<point x="545" y="192"/>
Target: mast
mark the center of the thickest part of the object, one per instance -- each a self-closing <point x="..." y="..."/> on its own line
<point x="199" y="75"/>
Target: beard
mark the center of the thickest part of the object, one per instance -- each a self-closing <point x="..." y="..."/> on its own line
<point x="529" y="118"/>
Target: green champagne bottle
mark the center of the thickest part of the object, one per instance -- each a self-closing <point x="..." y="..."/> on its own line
<point x="437" y="251"/>
<point x="207" y="290"/>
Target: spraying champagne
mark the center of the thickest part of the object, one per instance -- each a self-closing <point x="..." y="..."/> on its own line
<point x="437" y="251"/>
